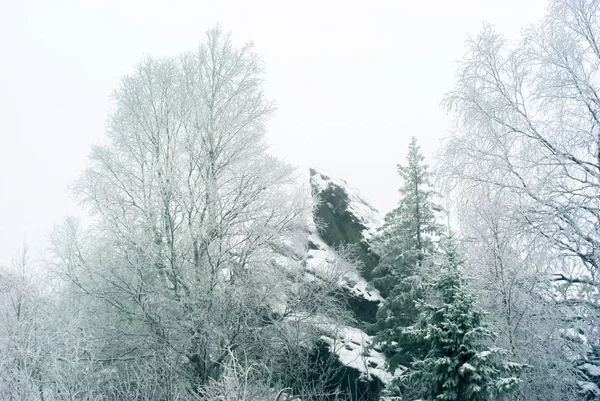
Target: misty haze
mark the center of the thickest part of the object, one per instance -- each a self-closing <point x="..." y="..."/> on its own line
<point x="271" y="201"/>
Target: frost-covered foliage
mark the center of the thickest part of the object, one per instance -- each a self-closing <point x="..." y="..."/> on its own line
<point x="205" y="270"/>
<point x="511" y="268"/>
<point x="524" y="160"/>
<point x="22" y="312"/>
<point x="320" y="257"/>
<point x="192" y="249"/>
<point x="459" y="364"/>
<point x="406" y="237"/>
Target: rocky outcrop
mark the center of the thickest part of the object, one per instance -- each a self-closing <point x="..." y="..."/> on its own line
<point x="344" y="219"/>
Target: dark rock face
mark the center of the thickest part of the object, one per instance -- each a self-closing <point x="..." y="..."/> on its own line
<point x="364" y="311"/>
<point x="341" y="223"/>
<point x="353" y="386"/>
<point x="338" y="225"/>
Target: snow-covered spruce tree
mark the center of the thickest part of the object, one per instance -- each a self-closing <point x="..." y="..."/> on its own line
<point x="458" y="365"/>
<point x="403" y="242"/>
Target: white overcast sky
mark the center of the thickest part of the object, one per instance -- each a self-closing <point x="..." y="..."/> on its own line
<point x="354" y="80"/>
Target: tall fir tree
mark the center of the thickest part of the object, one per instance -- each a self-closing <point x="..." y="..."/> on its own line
<point x="403" y="243"/>
<point x="458" y="366"/>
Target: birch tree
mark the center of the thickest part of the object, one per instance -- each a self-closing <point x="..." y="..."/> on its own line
<point x="527" y="132"/>
<point x="511" y="268"/>
<point x="23" y="341"/>
<point x="527" y="122"/>
<point x="188" y="247"/>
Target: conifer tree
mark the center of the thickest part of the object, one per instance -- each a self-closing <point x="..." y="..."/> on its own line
<point x="458" y="366"/>
<point x="403" y="243"/>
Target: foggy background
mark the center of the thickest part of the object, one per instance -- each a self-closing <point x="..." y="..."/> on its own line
<point x="353" y="81"/>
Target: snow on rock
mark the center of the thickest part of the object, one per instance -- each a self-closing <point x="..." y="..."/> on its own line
<point x="367" y="215"/>
<point x="353" y="348"/>
<point x="591" y="370"/>
<point x="359" y="287"/>
<point x="591" y="388"/>
<point x="322" y="260"/>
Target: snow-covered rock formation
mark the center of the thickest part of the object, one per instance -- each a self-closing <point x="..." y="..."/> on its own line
<point x="334" y="245"/>
<point x="344" y="219"/>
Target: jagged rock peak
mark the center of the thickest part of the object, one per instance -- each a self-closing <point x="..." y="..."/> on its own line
<point x="351" y="201"/>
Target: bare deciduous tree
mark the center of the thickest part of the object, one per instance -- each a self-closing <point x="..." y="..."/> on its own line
<point x="524" y="167"/>
<point x="23" y="344"/>
<point x="188" y="249"/>
<point x="510" y="266"/>
<point x="527" y="123"/>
